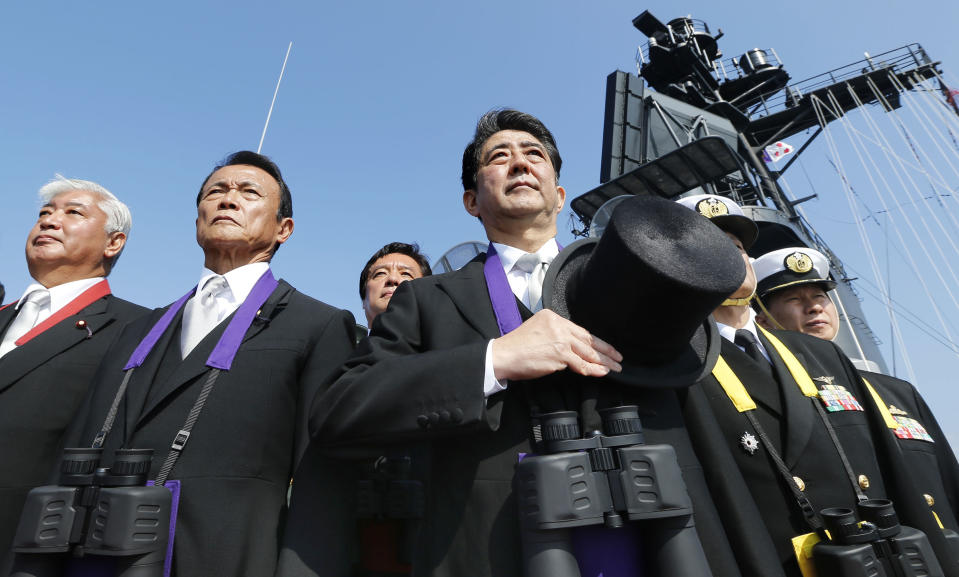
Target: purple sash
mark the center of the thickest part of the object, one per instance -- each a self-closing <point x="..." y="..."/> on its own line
<point x="599" y="551"/>
<point x="225" y="350"/>
<point x="500" y="293"/>
<point x="220" y="359"/>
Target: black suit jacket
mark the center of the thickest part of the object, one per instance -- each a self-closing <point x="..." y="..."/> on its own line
<point x="932" y="464"/>
<point x="420" y="376"/>
<point x="760" y="513"/>
<point x="236" y="467"/>
<point x="42" y="384"/>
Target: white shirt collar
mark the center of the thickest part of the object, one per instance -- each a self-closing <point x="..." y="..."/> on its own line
<point x="508" y="255"/>
<point x="61" y="295"/>
<point x="240" y="280"/>
<point x="729" y="333"/>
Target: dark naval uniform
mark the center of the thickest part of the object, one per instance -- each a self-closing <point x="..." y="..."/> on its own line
<point x="759" y="510"/>
<point x="42" y="385"/>
<point x="420" y="376"/>
<point x="926" y="449"/>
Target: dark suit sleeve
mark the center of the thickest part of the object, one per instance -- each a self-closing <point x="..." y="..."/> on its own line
<point x="331" y="347"/>
<point x="416" y="374"/>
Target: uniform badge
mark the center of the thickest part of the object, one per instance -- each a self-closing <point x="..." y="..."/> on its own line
<point x="749" y="442"/>
<point x="837" y="398"/>
<point x="894" y="410"/>
<point x="711" y="207"/>
<point x="825" y="380"/>
<point x="798" y="262"/>
<point x="910" y="428"/>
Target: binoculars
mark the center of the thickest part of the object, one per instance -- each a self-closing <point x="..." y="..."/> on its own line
<point x="605" y="478"/>
<point x="390" y="492"/>
<point x="877" y="546"/>
<point x="95" y="511"/>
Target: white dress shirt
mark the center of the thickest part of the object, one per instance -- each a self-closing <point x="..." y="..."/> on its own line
<point x="240" y="282"/>
<point x="60" y="296"/>
<point x="519" y="284"/>
<point x="729" y="333"/>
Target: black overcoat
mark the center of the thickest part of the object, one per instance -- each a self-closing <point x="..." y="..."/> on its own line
<point x="236" y="467"/>
<point x="42" y="385"/>
<point x="420" y="377"/>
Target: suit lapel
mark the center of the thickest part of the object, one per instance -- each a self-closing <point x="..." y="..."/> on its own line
<point x="144" y="376"/>
<point x="761" y="388"/>
<point x="7" y="315"/>
<point x="167" y="350"/>
<point x="52" y="341"/>
<point x="798" y="420"/>
<point x="467" y="289"/>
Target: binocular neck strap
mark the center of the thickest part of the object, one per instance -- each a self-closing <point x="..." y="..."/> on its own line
<point x="842" y="454"/>
<point x="809" y="389"/>
<point x="179" y="442"/>
<point x="805" y="505"/>
<point x="112" y="413"/>
<point x="736" y="391"/>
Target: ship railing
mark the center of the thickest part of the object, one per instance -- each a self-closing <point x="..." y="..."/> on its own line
<point x="897" y="61"/>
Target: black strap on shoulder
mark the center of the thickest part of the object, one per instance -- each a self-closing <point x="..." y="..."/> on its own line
<point x="112" y="413"/>
<point x="805" y="505"/>
<point x="179" y="441"/>
<point x="842" y="454"/>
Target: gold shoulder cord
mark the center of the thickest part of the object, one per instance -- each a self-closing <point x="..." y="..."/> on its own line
<point x="883" y="409"/>
<point x="735" y="389"/>
<point x="796" y="369"/>
<point x="892" y="424"/>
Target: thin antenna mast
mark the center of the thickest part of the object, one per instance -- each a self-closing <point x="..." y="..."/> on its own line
<point x="275" y="92"/>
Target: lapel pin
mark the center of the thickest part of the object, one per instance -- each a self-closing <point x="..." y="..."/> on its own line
<point x="82" y="324"/>
<point x="749" y="442"/>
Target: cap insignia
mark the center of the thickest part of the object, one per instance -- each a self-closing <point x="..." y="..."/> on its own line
<point x="799" y="262"/>
<point x="711" y="207"/>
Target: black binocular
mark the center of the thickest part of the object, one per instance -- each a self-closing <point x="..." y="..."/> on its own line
<point x="389" y="491"/>
<point x="876" y="546"/>
<point x="605" y="478"/>
<point x="95" y="511"/>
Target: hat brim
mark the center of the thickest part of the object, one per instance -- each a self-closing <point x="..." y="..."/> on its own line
<point x="827" y="284"/>
<point x="743" y="227"/>
<point x="695" y="361"/>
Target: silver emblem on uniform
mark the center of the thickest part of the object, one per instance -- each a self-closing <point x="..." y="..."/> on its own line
<point x="749" y="442"/>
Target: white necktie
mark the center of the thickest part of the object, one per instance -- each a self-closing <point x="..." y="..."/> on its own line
<point x="26" y="319"/>
<point x="536" y="267"/>
<point x="201" y="314"/>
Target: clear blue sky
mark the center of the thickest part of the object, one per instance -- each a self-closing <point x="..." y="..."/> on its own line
<point x="378" y="100"/>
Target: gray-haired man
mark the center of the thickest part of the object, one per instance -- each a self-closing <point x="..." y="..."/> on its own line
<point x="52" y="338"/>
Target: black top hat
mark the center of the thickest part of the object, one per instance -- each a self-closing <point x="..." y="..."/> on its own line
<point x="647" y="287"/>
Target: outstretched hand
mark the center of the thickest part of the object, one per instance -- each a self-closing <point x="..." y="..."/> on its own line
<point x="547" y="343"/>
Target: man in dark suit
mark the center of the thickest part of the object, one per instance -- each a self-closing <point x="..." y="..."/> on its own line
<point x="437" y="364"/>
<point x="788" y="395"/>
<point x="53" y="337"/>
<point x="448" y="363"/>
<point x="793" y="291"/>
<point x="258" y="348"/>
<point x="395" y="263"/>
